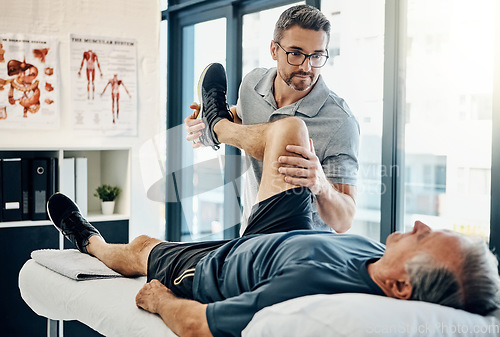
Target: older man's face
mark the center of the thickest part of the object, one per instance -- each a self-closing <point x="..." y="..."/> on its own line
<point x="444" y="246"/>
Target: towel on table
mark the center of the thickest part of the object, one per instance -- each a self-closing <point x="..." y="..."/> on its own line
<point x="73" y="264"/>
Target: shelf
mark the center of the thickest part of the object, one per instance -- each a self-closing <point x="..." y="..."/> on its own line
<point x="90" y="217"/>
<point x="101" y="217"/>
<point x="104" y="166"/>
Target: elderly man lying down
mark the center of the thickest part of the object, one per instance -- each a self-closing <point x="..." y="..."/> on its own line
<point x="216" y="287"/>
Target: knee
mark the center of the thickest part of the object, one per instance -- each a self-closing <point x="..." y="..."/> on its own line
<point x="291" y="123"/>
<point x="291" y="130"/>
<point x="141" y="244"/>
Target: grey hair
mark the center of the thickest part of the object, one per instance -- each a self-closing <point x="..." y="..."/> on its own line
<point x="476" y="289"/>
<point x="304" y="16"/>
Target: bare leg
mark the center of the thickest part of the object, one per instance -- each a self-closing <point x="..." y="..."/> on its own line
<point x="250" y="138"/>
<point x="127" y="259"/>
<point x="288" y="131"/>
<point x="266" y="142"/>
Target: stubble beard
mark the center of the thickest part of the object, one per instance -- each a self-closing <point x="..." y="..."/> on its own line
<point x="301" y="86"/>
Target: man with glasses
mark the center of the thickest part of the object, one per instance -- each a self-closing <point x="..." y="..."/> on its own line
<point x="328" y="165"/>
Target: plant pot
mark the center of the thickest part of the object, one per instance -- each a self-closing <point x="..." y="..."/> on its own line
<point x="108" y="207"/>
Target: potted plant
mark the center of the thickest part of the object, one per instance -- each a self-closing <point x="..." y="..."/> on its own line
<point x="107" y="194"/>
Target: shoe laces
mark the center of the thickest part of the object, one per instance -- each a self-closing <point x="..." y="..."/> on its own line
<point x="216" y="102"/>
<point x="80" y="217"/>
<point x="76" y="217"/>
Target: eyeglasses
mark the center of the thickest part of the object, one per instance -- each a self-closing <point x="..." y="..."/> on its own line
<point x="296" y="58"/>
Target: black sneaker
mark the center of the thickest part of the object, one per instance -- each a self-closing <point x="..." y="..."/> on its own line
<point x="212" y="89"/>
<point x="66" y="216"/>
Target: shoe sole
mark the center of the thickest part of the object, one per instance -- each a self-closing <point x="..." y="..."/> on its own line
<point x="200" y="98"/>
<point x="54" y="224"/>
<point x="200" y="81"/>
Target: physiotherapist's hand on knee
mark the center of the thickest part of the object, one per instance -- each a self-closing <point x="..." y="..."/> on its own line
<point x="305" y="170"/>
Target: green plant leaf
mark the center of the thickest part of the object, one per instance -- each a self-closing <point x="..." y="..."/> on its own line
<point x="107" y="192"/>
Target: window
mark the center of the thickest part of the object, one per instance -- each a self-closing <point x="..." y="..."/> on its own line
<point x="448" y="70"/>
<point x="258" y="31"/>
<point x="201" y="183"/>
<point x="355" y="73"/>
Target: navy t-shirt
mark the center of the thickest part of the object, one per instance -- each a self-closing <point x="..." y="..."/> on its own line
<point x="256" y="271"/>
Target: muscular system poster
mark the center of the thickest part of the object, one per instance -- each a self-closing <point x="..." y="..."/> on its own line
<point x="104" y="85"/>
<point x="29" y="86"/>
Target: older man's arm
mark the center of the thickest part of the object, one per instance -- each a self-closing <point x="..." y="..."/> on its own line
<point x="184" y="317"/>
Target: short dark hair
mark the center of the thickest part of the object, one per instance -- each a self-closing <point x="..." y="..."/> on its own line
<point x="304" y="16"/>
<point x="476" y="289"/>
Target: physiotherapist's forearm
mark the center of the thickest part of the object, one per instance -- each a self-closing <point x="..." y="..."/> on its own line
<point x="337" y="208"/>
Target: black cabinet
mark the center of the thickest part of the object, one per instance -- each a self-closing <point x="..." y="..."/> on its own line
<point x="16" y="245"/>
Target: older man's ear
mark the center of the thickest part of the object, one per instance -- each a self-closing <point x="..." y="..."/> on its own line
<point x="401" y="289"/>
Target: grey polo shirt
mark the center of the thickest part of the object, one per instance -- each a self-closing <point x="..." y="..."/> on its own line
<point x="332" y="127"/>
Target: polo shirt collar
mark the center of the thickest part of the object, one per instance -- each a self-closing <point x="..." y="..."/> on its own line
<point x="265" y="87"/>
<point x="309" y="105"/>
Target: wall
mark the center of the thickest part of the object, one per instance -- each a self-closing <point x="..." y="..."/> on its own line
<point x="131" y="19"/>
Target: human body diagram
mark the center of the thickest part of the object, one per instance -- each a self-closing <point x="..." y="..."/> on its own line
<point x="92" y="60"/>
<point x="115" y="94"/>
<point x="116" y="61"/>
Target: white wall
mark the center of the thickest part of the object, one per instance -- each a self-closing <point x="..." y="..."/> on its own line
<point x="131" y="19"/>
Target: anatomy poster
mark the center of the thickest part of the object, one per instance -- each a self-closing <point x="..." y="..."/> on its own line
<point x="104" y="85"/>
<point x="29" y="86"/>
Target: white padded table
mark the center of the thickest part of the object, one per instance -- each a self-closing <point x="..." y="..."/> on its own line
<point x="106" y="305"/>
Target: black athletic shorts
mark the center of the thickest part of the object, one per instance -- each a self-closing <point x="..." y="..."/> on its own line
<point x="174" y="263"/>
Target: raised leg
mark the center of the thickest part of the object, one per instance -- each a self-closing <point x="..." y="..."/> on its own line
<point x="288" y="131"/>
<point x="250" y="138"/>
<point x="266" y="142"/>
